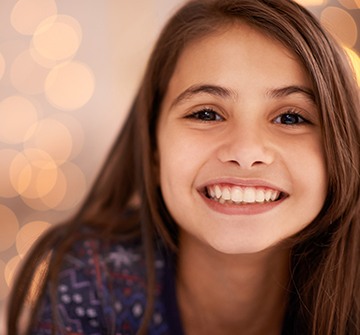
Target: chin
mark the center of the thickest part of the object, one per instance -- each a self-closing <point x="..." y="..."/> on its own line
<point x="247" y="247"/>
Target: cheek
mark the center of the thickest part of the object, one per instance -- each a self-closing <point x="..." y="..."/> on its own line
<point x="180" y="152"/>
<point x="308" y="169"/>
<point x="176" y="165"/>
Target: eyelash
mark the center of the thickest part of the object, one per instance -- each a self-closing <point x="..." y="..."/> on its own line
<point x="300" y="119"/>
<point x="203" y="116"/>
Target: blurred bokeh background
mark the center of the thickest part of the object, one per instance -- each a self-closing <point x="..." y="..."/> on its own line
<point x="68" y="72"/>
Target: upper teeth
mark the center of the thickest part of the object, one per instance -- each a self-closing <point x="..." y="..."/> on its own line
<point x="238" y="194"/>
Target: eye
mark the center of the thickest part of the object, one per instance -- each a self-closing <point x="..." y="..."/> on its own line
<point x="206" y="115"/>
<point x="290" y="118"/>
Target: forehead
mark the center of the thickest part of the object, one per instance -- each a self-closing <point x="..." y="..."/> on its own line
<point x="235" y="53"/>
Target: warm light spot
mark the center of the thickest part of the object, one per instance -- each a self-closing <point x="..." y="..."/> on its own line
<point x="17" y="115"/>
<point x="357" y="3"/>
<point x="3" y="286"/>
<point x="355" y="60"/>
<point x="26" y="75"/>
<point x="76" y="186"/>
<point x="2" y="65"/>
<point x="340" y="24"/>
<point x="8" y="228"/>
<point x="59" y="38"/>
<point x="52" y="137"/>
<point x="28" y="234"/>
<point x="349" y="4"/>
<point x="42" y="61"/>
<point x="11" y="268"/>
<point x="76" y="130"/>
<point x="6" y="158"/>
<point x="10" y="50"/>
<point x="310" y="3"/>
<point x="37" y="204"/>
<point x="56" y="196"/>
<point x="27" y="14"/>
<point x="70" y="86"/>
<point x="33" y="173"/>
<point x="20" y="173"/>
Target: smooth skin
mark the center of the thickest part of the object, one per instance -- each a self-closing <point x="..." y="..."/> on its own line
<point x="239" y="112"/>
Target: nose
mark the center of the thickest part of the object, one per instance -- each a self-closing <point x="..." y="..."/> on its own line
<point x="246" y="145"/>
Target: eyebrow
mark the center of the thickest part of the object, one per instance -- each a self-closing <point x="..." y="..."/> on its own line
<point x="214" y="90"/>
<point x="289" y="90"/>
<point x="224" y="92"/>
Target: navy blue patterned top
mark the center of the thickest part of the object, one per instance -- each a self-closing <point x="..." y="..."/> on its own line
<point x="102" y="290"/>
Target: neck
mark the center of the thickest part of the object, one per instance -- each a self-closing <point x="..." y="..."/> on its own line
<point x="231" y="294"/>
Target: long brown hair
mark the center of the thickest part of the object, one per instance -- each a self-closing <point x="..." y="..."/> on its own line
<point x="325" y="272"/>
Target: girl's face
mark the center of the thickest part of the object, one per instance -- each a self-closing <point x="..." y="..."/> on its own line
<point x="239" y="141"/>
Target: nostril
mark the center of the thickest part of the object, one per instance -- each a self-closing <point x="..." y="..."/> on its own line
<point x="234" y="162"/>
<point x="246" y="156"/>
<point x="256" y="163"/>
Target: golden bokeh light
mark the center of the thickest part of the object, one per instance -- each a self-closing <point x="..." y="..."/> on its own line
<point x="66" y="193"/>
<point x="76" y="130"/>
<point x="57" y="38"/>
<point x="340" y="24"/>
<point x="69" y="86"/>
<point x="350" y="4"/>
<point x="57" y="195"/>
<point x="76" y="186"/>
<point x="2" y="65"/>
<point x="355" y="61"/>
<point x="33" y="173"/>
<point x="28" y="234"/>
<point x="310" y="3"/>
<point x="26" y="75"/>
<point x="42" y="61"/>
<point x="3" y="285"/>
<point x="11" y="268"/>
<point x="28" y="14"/>
<point x="9" y="227"/>
<point x="17" y="115"/>
<point x="52" y="137"/>
<point x="6" y="158"/>
<point x="37" y="204"/>
<point x="53" y="199"/>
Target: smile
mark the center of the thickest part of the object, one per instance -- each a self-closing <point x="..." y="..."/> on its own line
<point x="241" y="195"/>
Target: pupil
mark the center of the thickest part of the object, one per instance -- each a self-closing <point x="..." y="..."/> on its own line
<point x="289" y="119"/>
<point x="208" y="115"/>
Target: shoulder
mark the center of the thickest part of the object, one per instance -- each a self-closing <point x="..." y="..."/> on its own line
<point x="102" y="285"/>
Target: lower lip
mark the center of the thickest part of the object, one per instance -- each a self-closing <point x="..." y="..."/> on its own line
<point x="241" y="209"/>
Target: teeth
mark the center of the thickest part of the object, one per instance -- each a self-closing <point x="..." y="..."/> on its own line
<point x="218" y="192"/>
<point x="236" y="195"/>
<point x="244" y="195"/>
<point x="260" y="196"/>
<point x="249" y="195"/>
<point x="211" y="192"/>
<point x="268" y="195"/>
<point x="226" y="195"/>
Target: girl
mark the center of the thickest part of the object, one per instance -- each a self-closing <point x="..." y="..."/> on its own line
<point x="229" y="203"/>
